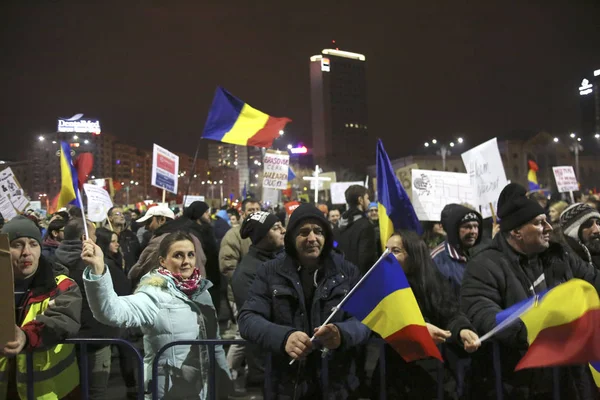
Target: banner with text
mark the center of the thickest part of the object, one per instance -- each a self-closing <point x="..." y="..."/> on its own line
<point x="98" y="202"/>
<point x="275" y="173"/>
<point x="486" y="173"/>
<point x="433" y="190"/>
<point x="566" y="181"/>
<point x="165" y="169"/>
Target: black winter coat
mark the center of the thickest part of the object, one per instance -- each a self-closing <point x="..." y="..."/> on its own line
<point x="244" y="274"/>
<point x="494" y="280"/>
<point x="276" y="308"/>
<point x="130" y="247"/>
<point x="356" y="239"/>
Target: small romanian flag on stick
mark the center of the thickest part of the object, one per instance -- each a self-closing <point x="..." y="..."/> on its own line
<point x="69" y="185"/>
<point x="384" y="301"/>
<point x="230" y="120"/>
<point x="595" y="368"/>
<point x="562" y="326"/>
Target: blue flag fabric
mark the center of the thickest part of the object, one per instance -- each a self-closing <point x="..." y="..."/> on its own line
<point x="291" y="174"/>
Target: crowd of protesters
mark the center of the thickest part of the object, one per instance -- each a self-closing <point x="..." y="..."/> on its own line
<point x="259" y="274"/>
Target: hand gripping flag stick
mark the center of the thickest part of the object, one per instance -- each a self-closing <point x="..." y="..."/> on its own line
<point x="335" y="309"/>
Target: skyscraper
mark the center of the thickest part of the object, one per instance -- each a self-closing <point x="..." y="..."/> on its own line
<point x="232" y="156"/>
<point x="339" y="110"/>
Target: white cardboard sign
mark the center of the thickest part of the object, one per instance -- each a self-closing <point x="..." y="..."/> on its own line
<point x="99" y="202"/>
<point x="187" y="200"/>
<point x="566" y="181"/>
<point x="433" y="190"/>
<point x="486" y="172"/>
<point x="12" y="190"/>
<point x="275" y="174"/>
<point x="338" y="191"/>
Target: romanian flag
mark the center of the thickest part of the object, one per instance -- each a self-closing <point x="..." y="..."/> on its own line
<point x="69" y="187"/>
<point x="385" y="303"/>
<point x="532" y="176"/>
<point x="561" y="326"/>
<point x="395" y="209"/>
<point x="230" y="120"/>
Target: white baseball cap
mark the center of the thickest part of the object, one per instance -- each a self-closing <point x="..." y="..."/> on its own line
<point x="157" y="211"/>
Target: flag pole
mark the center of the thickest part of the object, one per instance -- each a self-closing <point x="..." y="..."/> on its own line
<point x="335" y="309"/>
<point x="85" y="227"/>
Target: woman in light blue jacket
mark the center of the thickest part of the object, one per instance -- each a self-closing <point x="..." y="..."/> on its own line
<point x="171" y="303"/>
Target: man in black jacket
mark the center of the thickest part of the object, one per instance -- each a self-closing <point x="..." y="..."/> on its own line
<point x="519" y="263"/>
<point x="267" y="235"/>
<point x="68" y="255"/>
<point x="288" y="302"/>
<point x="356" y="237"/>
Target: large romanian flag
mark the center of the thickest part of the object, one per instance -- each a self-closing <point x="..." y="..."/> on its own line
<point x="385" y="303"/>
<point x="230" y="120"/>
<point x="563" y="326"/>
<point x="395" y="209"/>
<point x="68" y="176"/>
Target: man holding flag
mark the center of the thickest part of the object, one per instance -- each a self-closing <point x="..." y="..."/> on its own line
<point x="521" y="263"/>
<point x="290" y="300"/>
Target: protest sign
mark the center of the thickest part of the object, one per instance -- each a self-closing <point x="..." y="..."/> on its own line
<point x="7" y="294"/>
<point x="270" y="196"/>
<point x="290" y="207"/>
<point x="338" y="190"/>
<point x="187" y="200"/>
<point x="98" y="202"/>
<point x="433" y="190"/>
<point x="486" y="173"/>
<point x="165" y="169"/>
<point x="10" y="188"/>
<point x="275" y="174"/>
<point x="566" y="181"/>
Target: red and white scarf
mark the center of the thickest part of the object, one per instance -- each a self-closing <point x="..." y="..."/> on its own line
<point x="186" y="285"/>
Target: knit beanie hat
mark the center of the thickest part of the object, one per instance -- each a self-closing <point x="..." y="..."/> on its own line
<point x="515" y="209"/>
<point x="256" y="226"/>
<point x="574" y="216"/>
<point x="373" y="205"/>
<point x="195" y="210"/>
<point x="21" y="226"/>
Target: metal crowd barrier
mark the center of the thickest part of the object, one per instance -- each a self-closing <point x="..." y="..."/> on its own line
<point x="211" y="343"/>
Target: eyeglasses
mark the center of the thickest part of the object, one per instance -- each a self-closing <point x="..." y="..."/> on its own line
<point x="305" y="232"/>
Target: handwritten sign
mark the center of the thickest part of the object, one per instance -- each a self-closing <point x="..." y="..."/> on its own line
<point x="404" y="175"/>
<point x="165" y="169"/>
<point x="189" y="199"/>
<point x="486" y="173"/>
<point x="99" y="202"/>
<point x="338" y="191"/>
<point x="566" y="181"/>
<point x="433" y="190"/>
<point x="275" y="174"/>
<point x="12" y="190"/>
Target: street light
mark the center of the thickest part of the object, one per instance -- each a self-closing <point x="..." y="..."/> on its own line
<point x="75" y="137"/>
<point x="86" y="141"/>
<point x="281" y="132"/>
<point x="41" y="138"/>
<point x="444" y="150"/>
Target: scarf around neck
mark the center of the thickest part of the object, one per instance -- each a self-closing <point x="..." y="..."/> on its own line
<point x="187" y="286"/>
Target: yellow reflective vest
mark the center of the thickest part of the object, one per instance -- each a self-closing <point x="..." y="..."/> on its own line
<point x="55" y="370"/>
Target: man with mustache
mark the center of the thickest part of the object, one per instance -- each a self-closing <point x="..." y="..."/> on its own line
<point x="580" y="224"/>
<point x="462" y="226"/>
<point x="287" y="304"/>
<point x="519" y="263"/>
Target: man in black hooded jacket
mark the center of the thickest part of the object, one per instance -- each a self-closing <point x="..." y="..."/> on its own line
<point x="356" y="234"/>
<point x="462" y="226"/>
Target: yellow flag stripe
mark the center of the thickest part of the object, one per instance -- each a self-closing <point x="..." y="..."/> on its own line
<point x="562" y="305"/>
<point x="386" y="227"/>
<point x="394" y="312"/>
<point x="249" y="122"/>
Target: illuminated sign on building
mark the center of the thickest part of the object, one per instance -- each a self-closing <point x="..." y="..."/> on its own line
<point x="585" y="88"/>
<point x="299" y="150"/>
<point x="76" y="124"/>
<point x="325" y="64"/>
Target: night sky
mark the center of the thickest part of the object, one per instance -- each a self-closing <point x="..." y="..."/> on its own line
<point x="148" y="69"/>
